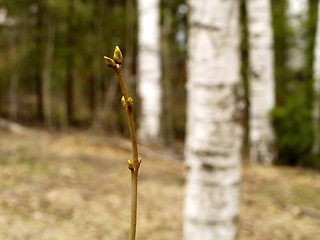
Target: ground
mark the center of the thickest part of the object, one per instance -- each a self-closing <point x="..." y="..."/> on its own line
<point x="76" y="185"/>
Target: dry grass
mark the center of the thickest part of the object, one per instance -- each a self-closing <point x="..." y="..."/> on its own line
<point x="75" y="186"/>
<point x="271" y="198"/>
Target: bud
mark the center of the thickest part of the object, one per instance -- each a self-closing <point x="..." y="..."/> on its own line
<point x="130" y="102"/>
<point x="123" y="102"/>
<point x="130" y="165"/>
<point x="110" y="62"/>
<point x="117" y="55"/>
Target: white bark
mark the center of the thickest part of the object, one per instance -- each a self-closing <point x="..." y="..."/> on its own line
<point x="297" y="14"/>
<point x="4" y="19"/>
<point x="149" y="69"/>
<point x="3" y="16"/>
<point x="214" y="133"/>
<point x="262" y="92"/>
<point x="316" y="76"/>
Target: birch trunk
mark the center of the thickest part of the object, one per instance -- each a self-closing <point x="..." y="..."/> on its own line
<point x="297" y="15"/>
<point x="149" y="69"/>
<point x="214" y="133"/>
<point x="316" y="76"/>
<point x="262" y="90"/>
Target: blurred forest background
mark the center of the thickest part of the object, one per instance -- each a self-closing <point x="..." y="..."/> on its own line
<point x="60" y="182"/>
<point x="52" y="68"/>
<point x="52" y="72"/>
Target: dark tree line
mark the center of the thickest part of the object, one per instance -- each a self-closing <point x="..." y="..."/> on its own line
<point x="52" y="71"/>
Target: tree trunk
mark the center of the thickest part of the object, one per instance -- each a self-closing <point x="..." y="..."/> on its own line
<point x="262" y="91"/>
<point x="39" y="60"/>
<point x="13" y="93"/>
<point x="214" y="132"/>
<point x="70" y="65"/>
<point x="167" y="78"/>
<point x="46" y="73"/>
<point x="149" y="69"/>
<point x="14" y="77"/>
<point x="70" y="92"/>
<point x="316" y="103"/>
<point x="297" y="14"/>
<point x="130" y="41"/>
<point x="96" y="104"/>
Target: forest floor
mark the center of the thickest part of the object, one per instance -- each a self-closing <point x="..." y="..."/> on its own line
<point x="75" y="185"/>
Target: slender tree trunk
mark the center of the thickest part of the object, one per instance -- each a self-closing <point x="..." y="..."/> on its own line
<point x="167" y="77"/>
<point x="46" y="73"/>
<point x="167" y="64"/>
<point x="129" y="40"/>
<point x="13" y="92"/>
<point x="262" y="90"/>
<point x="70" y="65"/>
<point x="70" y="93"/>
<point x="214" y="132"/>
<point x="316" y="76"/>
<point x="96" y="105"/>
<point x="149" y="69"/>
<point x="245" y="78"/>
<point x="297" y="15"/>
<point x="93" y="93"/>
<point x="14" y="78"/>
<point x="39" y="60"/>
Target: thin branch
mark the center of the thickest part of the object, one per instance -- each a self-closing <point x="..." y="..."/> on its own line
<point x="134" y="166"/>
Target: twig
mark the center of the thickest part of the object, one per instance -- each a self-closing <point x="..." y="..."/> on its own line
<point x="127" y="103"/>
